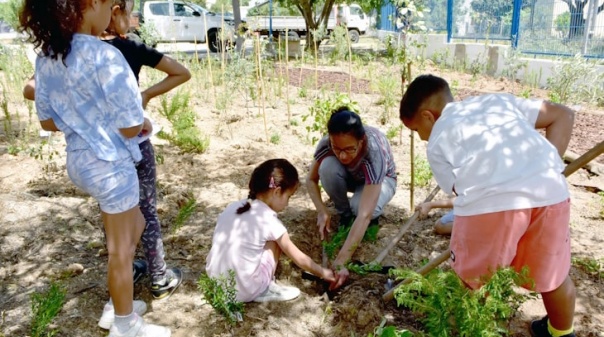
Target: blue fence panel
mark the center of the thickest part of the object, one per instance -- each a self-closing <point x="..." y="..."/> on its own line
<point x="553" y="27"/>
<point x="387" y="17"/>
<point x="549" y="27"/>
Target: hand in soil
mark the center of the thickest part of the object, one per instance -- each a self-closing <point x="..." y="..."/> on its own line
<point x="341" y="276"/>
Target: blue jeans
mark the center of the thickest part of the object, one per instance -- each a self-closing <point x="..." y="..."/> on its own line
<point x="337" y="182"/>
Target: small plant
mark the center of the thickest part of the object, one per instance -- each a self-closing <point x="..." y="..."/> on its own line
<point x="293" y="122"/>
<point x="446" y="307"/>
<point x="185" y="133"/>
<point x="513" y="64"/>
<point x="590" y="266"/>
<point x="577" y="80"/>
<point x="44" y="307"/>
<point x="394" y="131"/>
<point x="337" y="241"/>
<point x="454" y="87"/>
<point x="526" y="93"/>
<point x="321" y="111"/>
<point x="275" y="138"/>
<point x="221" y="294"/>
<point x="184" y="213"/>
<point x="389" y="88"/>
<point x="364" y="268"/>
<point x="389" y="331"/>
<point x="422" y="172"/>
<point x="149" y="34"/>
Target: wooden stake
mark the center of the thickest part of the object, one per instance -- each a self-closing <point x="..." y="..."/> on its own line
<point x="262" y="91"/>
<point x="412" y="154"/>
<point x="289" y="113"/>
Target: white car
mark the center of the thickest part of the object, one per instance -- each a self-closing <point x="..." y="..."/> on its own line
<point x="180" y="21"/>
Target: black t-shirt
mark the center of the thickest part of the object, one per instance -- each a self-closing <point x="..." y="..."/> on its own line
<point x="136" y="53"/>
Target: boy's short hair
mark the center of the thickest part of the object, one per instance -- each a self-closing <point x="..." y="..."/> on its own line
<point x="419" y="92"/>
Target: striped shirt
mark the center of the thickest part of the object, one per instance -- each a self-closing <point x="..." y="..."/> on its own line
<point x="376" y="164"/>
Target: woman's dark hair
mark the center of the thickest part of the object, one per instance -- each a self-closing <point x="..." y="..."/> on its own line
<point x="272" y="173"/>
<point x="419" y="92"/>
<point x="345" y="121"/>
<point x="50" y="24"/>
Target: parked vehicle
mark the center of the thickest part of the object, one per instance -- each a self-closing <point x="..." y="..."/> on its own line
<point x="351" y="16"/>
<point x="181" y="21"/>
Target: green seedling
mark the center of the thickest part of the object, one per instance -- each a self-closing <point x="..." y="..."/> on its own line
<point x="221" y="294"/>
<point x="44" y="307"/>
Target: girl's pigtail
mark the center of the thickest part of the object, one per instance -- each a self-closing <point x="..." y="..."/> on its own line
<point x="248" y="204"/>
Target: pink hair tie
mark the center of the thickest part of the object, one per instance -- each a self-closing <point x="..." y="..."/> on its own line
<point x="271" y="183"/>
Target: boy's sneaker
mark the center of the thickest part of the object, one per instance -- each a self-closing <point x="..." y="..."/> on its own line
<point x="138" y="328"/>
<point x="139" y="269"/>
<point x="166" y="286"/>
<point x="109" y="313"/>
<point x="539" y="328"/>
<point x="278" y="293"/>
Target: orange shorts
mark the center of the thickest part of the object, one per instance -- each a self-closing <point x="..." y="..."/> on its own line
<point x="538" y="238"/>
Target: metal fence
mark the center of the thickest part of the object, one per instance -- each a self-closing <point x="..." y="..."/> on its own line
<point x="545" y="27"/>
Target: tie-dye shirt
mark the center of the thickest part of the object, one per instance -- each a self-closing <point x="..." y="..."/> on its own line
<point x="90" y="97"/>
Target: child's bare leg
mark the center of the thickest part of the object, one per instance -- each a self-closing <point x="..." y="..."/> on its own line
<point x="560" y="305"/>
<point x="443" y="228"/>
<point x="274" y="248"/>
<point x="123" y="231"/>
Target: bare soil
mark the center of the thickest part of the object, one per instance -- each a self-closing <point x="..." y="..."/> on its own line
<point x="51" y="231"/>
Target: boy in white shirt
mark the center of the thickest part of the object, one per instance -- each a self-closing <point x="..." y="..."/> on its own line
<point x="512" y="206"/>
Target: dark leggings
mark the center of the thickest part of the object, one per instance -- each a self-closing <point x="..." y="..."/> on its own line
<point x="153" y="245"/>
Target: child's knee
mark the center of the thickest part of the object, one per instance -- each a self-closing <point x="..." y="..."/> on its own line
<point x="443" y="228"/>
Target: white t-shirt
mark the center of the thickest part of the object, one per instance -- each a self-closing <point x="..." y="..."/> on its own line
<point x="238" y="243"/>
<point x="487" y="148"/>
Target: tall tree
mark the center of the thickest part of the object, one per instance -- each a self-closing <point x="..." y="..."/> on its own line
<point x="316" y="14"/>
<point x="577" y="20"/>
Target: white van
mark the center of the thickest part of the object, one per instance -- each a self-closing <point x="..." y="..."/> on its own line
<point x="181" y="21"/>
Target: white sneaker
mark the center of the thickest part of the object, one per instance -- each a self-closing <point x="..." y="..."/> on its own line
<point x="278" y="293"/>
<point x="108" y="316"/>
<point x="138" y="328"/>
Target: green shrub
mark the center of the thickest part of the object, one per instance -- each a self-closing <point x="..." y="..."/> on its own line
<point x="321" y="111"/>
<point x="446" y="307"/>
<point x="220" y="293"/>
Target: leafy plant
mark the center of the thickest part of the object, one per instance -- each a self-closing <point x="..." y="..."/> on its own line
<point x="364" y="268"/>
<point x="221" y="294"/>
<point x="394" y="131"/>
<point x="578" y="80"/>
<point x="590" y="266"/>
<point x="513" y="64"/>
<point x="44" y="307"/>
<point x="389" y="88"/>
<point x="389" y="331"/>
<point x="340" y="39"/>
<point x="321" y="111"/>
<point x="185" y="133"/>
<point x="184" y="212"/>
<point x="149" y="34"/>
<point x="446" y="307"/>
<point x="275" y="138"/>
<point x="338" y="239"/>
<point x="422" y="172"/>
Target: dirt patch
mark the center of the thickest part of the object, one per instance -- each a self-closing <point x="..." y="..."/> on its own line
<point x="47" y="226"/>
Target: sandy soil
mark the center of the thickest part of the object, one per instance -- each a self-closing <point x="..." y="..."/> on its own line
<point x="51" y="231"/>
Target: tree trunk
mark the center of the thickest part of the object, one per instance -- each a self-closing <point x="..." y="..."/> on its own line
<point x="577" y="21"/>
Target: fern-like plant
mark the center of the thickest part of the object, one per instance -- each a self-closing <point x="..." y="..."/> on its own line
<point x="221" y="294"/>
<point x="447" y="307"/>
